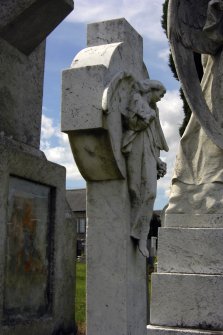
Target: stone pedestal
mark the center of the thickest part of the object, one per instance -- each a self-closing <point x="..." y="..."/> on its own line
<point x="187" y="290"/>
<point x="177" y="331"/>
<point x="116" y="271"/>
<point x="37" y="246"/>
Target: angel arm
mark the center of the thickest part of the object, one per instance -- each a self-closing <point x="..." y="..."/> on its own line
<point x="140" y="114"/>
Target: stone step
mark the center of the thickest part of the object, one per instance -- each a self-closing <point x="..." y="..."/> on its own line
<point x="186" y="300"/>
<point x="156" y="330"/>
<point x="211" y="220"/>
<point x="190" y="250"/>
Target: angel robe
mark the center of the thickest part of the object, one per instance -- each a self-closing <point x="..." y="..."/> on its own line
<point x="199" y="160"/>
<point x="142" y="143"/>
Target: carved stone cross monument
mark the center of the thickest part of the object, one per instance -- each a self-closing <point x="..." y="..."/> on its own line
<point x="109" y="111"/>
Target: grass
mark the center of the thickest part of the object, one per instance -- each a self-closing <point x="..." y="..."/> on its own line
<point x="80" y="303"/>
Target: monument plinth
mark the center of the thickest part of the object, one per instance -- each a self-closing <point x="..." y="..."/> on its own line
<point x="37" y="247"/>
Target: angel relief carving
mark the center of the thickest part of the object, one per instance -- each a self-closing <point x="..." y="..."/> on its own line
<point x="198" y="26"/>
<point x="142" y="141"/>
<point x="132" y="119"/>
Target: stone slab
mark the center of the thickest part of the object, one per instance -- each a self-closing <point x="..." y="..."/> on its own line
<point x="191" y="250"/>
<point x="81" y="111"/>
<point x="113" y="31"/>
<point x="26" y="23"/>
<point x="194" y="220"/>
<point x="119" y="30"/>
<point x="187" y="301"/>
<point x="116" y="270"/>
<point x="93" y="155"/>
<point x="21" y="89"/>
<point x="53" y="266"/>
<point x="154" y="330"/>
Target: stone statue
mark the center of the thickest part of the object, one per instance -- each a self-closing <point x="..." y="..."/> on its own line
<point x="197" y="26"/>
<point x="142" y="141"/>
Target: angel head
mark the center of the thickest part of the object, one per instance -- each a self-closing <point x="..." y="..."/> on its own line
<point x="152" y="89"/>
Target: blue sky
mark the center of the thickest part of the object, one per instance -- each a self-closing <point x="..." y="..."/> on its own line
<point x="69" y="38"/>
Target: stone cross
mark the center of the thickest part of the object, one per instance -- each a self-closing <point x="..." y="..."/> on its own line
<point x="109" y="52"/>
<point x="93" y="101"/>
<point x="24" y="26"/>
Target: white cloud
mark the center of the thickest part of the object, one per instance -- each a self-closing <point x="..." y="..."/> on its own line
<point x="47" y="130"/>
<point x="144" y="15"/>
<point x="171" y="116"/>
<point x="164" y="54"/>
<point x="57" y="149"/>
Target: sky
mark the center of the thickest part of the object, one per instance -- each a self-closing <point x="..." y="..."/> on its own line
<point x="69" y="38"/>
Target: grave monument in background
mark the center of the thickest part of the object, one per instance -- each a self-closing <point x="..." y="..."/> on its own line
<point x="37" y="245"/>
<point x="109" y="113"/>
<point x="188" y="288"/>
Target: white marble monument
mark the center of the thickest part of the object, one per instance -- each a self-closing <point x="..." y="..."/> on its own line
<point x="187" y="290"/>
<point x="109" y="113"/>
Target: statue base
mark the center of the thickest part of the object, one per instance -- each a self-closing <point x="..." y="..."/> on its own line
<point x="154" y="330"/>
<point x="187" y="290"/>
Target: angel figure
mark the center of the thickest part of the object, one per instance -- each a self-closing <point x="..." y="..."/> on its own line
<point x="142" y="141"/>
<point x="197" y="26"/>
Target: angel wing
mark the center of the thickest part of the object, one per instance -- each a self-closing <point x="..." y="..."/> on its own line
<point x="186" y="21"/>
<point x="114" y="104"/>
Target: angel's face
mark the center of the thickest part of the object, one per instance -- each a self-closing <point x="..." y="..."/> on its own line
<point x="157" y="94"/>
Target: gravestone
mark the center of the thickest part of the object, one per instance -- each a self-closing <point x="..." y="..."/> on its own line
<point x="36" y="249"/>
<point x="95" y="98"/>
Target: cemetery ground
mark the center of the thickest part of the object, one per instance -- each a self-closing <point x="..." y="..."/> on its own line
<point x="80" y="303"/>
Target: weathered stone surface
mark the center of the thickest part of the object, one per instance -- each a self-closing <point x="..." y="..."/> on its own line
<point x="54" y="246"/>
<point x="21" y="89"/>
<point x="190" y="250"/>
<point x="184" y="300"/>
<point x="204" y="199"/>
<point x="154" y="330"/>
<point x="194" y="221"/>
<point x="75" y="99"/>
<point x="114" y="31"/>
<point x="26" y="23"/>
<point x="24" y="26"/>
<point x="116" y="271"/>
